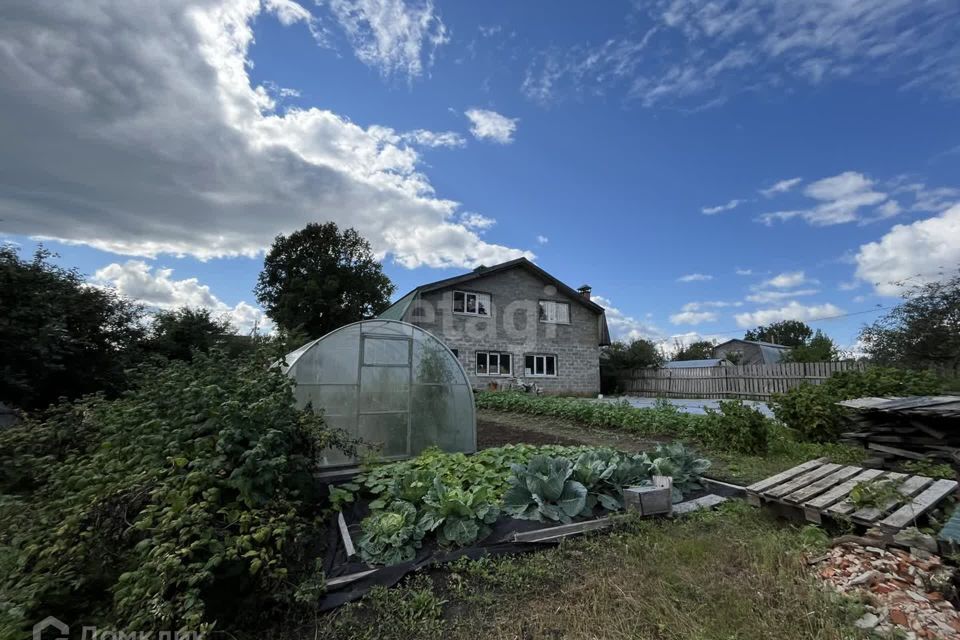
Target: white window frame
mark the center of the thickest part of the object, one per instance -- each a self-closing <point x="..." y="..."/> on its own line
<point x="542" y="358"/>
<point x="500" y="355"/>
<point x="548" y="312"/>
<point x="476" y="303"/>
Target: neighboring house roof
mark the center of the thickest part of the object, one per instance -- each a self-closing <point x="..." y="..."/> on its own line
<point x="690" y="364"/>
<point x="397" y="310"/>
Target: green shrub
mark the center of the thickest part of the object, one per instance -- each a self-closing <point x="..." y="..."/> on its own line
<point x="737" y="427"/>
<point x="184" y="501"/>
<point x="812" y="411"/>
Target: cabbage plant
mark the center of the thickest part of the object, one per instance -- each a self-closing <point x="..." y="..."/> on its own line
<point x="459" y="516"/>
<point x="391" y="536"/>
<point x="543" y="490"/>
<point x="681" y="464"/>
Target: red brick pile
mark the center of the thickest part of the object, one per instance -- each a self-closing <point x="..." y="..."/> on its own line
<point x="900" y="589"/>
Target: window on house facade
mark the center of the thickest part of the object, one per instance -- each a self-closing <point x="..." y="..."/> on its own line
<point x="477" y="304"/>
<point x="491" y="363"/>
<point x="554" y="312"/>
<point x="455" y="352"/>
<point x="540" y="365"/>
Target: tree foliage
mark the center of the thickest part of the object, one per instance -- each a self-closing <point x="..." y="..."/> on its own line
<point x="179" y="333"/>
<point x="923" y="331"/>
<point x="819" y="348"/>
<point x="700" y="350"/>
<point x="320" y="278"/>
<point x="188" y="500"/>
<point x="789" y="333"/>
<point x="58" y="336"/>
<point x="621" y="357"/>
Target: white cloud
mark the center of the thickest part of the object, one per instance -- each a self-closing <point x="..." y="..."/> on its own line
<point x="848" y="286"/>
<point x="695" y="277"/>
<point x="693" y="317"/>
<point x="840" y="197"/>
<point x="392" y="35"/>
<point x="722" y="207"/>
<point x="792" y="311"/>
<point x="490" y="125"/>
<point x="155" y="288"/>
<point x="744" y="272"/>
<point x="928" y="199"/>
<point x="702" y="53"/>
<point x="709" y="304"/>
<point x="624" y="327"/>
<point x="158" y="144"/>
<point x="764" y="297"/>
<point x="476" y="221"/>
<point x="780" y="187"/>
<point x="542" y="239"/>
<point x="912" y="253"/>
<point x="786" y="279"/>
<point x="670" y="344"/>
<point x="427" y="138"/>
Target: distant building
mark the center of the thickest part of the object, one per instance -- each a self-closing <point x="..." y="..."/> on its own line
<point x="513" y="321"/>
<point x="690" y="364"/>
<point x="750" y="352"/>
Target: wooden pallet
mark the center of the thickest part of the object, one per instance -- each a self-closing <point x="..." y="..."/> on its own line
<point x="820" y="488"/>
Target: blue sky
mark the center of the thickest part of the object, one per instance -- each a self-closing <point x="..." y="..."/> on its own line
<point x="705" y="166"/>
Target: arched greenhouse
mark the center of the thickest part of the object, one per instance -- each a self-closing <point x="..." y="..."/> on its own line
<point x="390" y="383"/>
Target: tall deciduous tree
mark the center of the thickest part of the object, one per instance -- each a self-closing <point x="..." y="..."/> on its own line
<point x="58" y="336"/>
<point x="700" y="350"/>
<point x="819" y="348"/>
<point x="923" y="331"/>
<point x="320" y="278"/>
<point x="789" y="333"/>
<point x="179" y="333"/>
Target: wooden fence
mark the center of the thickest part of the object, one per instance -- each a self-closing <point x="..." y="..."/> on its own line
<point x="748" y="382"/>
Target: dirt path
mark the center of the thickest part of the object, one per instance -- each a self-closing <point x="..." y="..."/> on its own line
<point x="497" y="428"/>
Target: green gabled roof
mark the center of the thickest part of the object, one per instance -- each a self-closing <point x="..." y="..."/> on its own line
<point x="398" y="309"/>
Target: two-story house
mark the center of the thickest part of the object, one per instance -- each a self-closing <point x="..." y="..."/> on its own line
<point x="513" y="320"/>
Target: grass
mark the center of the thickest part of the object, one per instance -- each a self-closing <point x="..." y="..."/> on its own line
<point x="731" y="574"/>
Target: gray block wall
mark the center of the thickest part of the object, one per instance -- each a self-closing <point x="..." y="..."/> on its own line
<point x="513" y="327"/>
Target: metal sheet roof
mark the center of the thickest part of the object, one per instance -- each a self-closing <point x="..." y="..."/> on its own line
<point x="944" y="405"/>
<point x="689" y="364"/>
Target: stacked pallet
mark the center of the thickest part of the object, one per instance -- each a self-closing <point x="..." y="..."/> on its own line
<point x="916" y="428"/>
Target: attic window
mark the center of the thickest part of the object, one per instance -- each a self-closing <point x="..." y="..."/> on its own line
<point x="554" y="312"/>
<point x="474" y="304"/>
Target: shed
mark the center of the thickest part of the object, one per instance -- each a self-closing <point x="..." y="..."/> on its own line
<point x="389" y="383"/>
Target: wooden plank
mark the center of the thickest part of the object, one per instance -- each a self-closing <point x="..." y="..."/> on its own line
<point x="783" y="476"/>
<point x="801" y="481"/>
<point x="562" y="531"/>
<point x="908" y="488"/>
<point x="903" y="453"/>
<point x="347" y="579"/>
<point x="840" y="491"/>
<point x="821" y="485"/>
<point x="846" y="507"/>
<point x="345" y="534"/>
<point x="921" y="504"/>
<point x="704" y="502"/>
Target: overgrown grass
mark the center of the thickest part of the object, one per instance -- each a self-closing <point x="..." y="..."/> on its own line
<point x="733" y="573"/>
<point x="784" y="450"/>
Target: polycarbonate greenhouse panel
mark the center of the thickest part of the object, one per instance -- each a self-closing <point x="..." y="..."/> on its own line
<point x="389" y="383"/>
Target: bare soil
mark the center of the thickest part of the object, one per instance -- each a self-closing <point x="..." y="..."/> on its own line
<point x="497" y="428"/>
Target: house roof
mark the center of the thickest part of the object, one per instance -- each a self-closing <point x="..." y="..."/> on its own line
<point x="397" y="310"/>
<point x="689" y="364"/>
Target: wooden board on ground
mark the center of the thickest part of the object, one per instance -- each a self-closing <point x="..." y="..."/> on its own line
<point x="821" y="489"/>
<point x="708" y="501"/>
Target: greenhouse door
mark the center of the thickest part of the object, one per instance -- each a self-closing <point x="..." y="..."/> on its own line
<point x="383" y="410"/>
